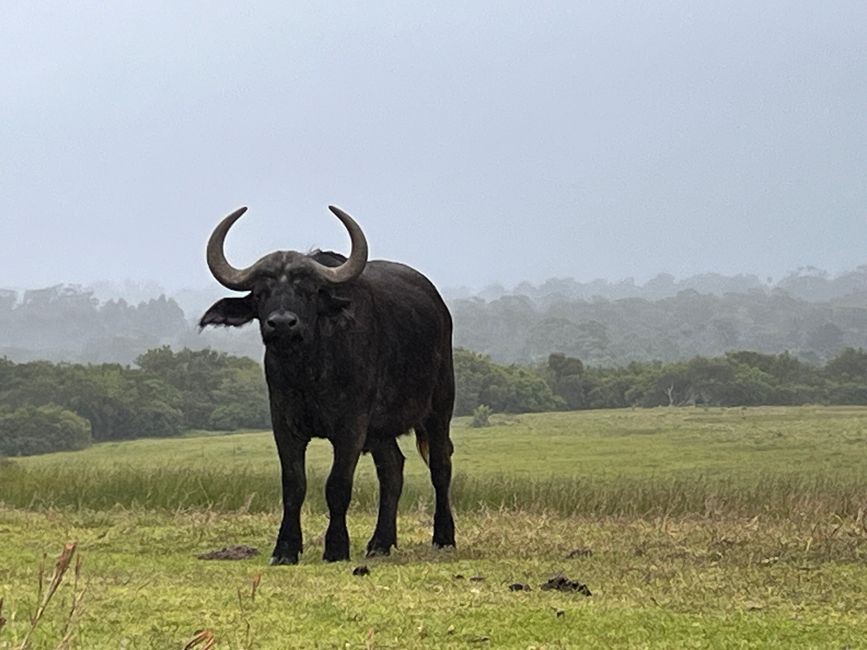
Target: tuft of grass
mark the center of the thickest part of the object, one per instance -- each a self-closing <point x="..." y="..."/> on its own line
<point x="45" y="594"/>
<point x="203" y="640"/>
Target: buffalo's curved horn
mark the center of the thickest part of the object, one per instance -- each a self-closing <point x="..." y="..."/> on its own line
<point x="225" y="273"/>
<point x="352" y="267"/>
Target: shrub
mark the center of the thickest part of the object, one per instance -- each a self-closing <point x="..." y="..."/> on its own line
<point x="42" y="429"/>
<point x="482" y="416"/>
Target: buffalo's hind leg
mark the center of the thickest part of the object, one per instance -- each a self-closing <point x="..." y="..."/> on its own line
<point x="389" y="470"/>
<point x="440" y="448"/>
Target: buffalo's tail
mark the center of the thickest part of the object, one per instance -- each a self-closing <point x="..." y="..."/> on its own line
<point x="421" y="444"/>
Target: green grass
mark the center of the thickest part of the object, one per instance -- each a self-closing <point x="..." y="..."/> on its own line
<point x="708" y="528"/>
<point x="771" y="461"/>
<point x="597" y="444"/>
<point x="657" y="583"/>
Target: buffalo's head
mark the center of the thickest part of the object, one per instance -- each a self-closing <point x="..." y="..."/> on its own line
<point x="289" y="292"/>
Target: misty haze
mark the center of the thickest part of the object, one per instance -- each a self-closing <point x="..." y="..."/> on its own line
<point x="480" y="146"/>
<point x="808" y="313"/>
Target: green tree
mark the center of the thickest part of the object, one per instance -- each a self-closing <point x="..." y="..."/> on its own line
<point x="217" y="390"/>
<point x="512" y="389"/>
<point x="850" y="364"/>
<point x="564" y="376"/>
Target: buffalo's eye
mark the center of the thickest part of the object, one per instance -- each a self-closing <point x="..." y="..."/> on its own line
<point x="303" y="287"/>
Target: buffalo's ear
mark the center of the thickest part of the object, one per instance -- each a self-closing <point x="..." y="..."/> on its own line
<point x="230" y="312"/>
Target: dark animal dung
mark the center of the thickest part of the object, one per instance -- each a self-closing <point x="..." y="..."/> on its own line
<point x="238" y="552"/>
<point x="519" y="586"/>
<point x="562" y="583"/>
<point x="361" y="570"/>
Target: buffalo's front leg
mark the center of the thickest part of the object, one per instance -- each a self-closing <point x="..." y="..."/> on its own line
<point x="389" y="470"/>
<point x="338" y="492"/>
<point x="289" y="541"/>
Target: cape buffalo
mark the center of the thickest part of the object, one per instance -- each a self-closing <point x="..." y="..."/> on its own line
<point x="356" y="352"/>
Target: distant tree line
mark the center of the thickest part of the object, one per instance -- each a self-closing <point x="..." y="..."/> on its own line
<point x="733" y="379"/>
<point x="603" y="332"/>
<point x="808" y="312"/>
<point x="806" y="283"/>
<point x="67" y="323"/>
<point x="49" y="407"/>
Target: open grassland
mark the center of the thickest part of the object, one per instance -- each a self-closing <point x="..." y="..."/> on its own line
<point x="658" y="462"/>
<point x="694" y="528"/>
<point x="659" y="583"/>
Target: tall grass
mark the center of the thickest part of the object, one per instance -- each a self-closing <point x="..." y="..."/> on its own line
<point x="647" y="463"/>
<point x="252" y="490"/>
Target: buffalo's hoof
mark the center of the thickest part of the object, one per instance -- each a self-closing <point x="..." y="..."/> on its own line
<point x="443" y="531"/>
<point x="277" y="560"/>
<point x="377" y="550"/>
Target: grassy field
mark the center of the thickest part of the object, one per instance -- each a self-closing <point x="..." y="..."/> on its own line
<point x="694" y="528"/>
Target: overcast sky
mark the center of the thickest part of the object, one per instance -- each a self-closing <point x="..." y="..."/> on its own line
<point x="477" y="141"/>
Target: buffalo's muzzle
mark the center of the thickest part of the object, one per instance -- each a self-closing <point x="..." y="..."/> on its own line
<point x="282" y="323"/>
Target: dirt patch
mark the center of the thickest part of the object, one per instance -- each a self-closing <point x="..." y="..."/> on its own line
<point x="562" y="583"/>
<point x="579" y="552"/>
<point x="239" y="552"/>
